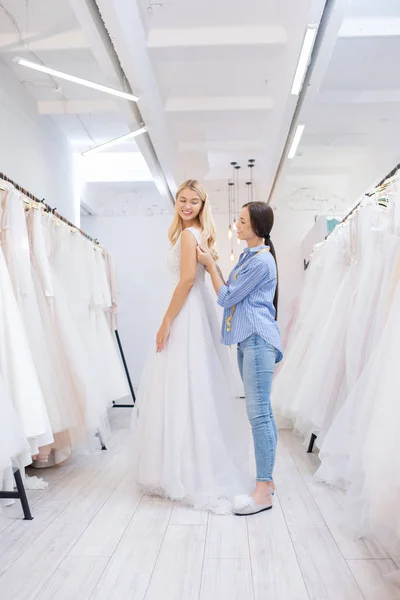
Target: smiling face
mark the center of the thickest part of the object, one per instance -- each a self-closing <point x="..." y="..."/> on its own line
<point x="244" y="229"/>
<point x="188" y="205"/>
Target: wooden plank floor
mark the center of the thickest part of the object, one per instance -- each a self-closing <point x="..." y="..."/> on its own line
<point x="95" y="537"/>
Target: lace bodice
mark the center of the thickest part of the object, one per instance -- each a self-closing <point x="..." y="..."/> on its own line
<point x="174" y="259"/>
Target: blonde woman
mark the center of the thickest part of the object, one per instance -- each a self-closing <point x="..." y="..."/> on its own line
<point x="191" y="439"/>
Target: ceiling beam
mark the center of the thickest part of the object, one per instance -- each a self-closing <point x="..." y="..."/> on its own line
<point x="360" y="96"/>
<point x="333" y="15"/>
<point x="189" y="37"/>
<point x="93" y="25"/>
<point x="76" y="107"/>
<point x="370" y="27"/>
<point x="125" y="27"/>
<point x="72" y="39"/>
<point x="211" y="104"/>
<point x="233" y="145"/>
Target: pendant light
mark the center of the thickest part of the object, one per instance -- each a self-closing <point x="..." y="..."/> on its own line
<point x="237" y="189"/>
<point x="230" y="207"/>
<point x="248" y="183"/>
<point x="251" y="166"/>
<point x="233" y="164"/>
<point x="237" y="169"/>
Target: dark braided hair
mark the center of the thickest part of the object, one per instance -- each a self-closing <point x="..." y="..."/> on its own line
<point x="262" y="221"/>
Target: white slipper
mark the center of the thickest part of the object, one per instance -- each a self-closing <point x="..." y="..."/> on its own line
<point x="245" y="506"/>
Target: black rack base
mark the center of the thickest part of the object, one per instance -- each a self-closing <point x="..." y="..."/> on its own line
<point x="311" y="444"/>
<point x="20" y="495"/>
<point x="102" y="442"/>
<point x="128" y="377"/>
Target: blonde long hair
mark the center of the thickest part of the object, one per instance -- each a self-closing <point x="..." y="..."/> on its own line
<point x="208" y="234"/>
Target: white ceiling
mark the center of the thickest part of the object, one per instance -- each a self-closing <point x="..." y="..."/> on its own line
<point x="353" y="116"/>
<point x="223" y="72"/>
<point x="50" y="32"/>
<point x="47" y="31"/>
<point x="214" y="80"/>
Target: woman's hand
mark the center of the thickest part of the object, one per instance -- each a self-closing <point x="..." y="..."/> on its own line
<point x="205" y="257"/>
<point x="163" y="335"/>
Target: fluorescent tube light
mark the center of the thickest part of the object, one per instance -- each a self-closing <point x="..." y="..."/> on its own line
<point x="304" y="59"/>
<point x="115" y="141"/>
<point x="296" y="141"/>
<point x="79" y="80"/>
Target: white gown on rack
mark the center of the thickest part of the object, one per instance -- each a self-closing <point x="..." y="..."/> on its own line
<point x="70" y="304"/>
<point x="323" y="281"/>
<point x="361" y="451"/>
<point x="14" y="447"/>
<point x="191" y="436"/>
<point x="114" y="379"/>
<point x="60" y="406"/>
<point x="324" y="366"/>
<point x="17" y="367"/>
<point x="13" y="442"/>
<point x="384" y="263"/>
<point x="63" y="394"/>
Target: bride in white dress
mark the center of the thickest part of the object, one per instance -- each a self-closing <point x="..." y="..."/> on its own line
<point x="190" y="433"/>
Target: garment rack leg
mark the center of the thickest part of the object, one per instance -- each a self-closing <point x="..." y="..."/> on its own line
<point x="22" y="496"/>
<point x="311" y="444"/>
<point x="126" y="373"/>
<point x="102" y="443"/>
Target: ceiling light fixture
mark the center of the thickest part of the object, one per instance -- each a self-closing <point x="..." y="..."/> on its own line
<point x="79" y="80"/>
<point x="251" y="166"/>
<point x="115" y="141"/>
<point x="296" y="141"/>
<point x="304" y="59"/>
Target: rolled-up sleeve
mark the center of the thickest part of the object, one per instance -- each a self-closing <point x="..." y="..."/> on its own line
<point x="254" y="273"/>
<point x="222" y="295"/>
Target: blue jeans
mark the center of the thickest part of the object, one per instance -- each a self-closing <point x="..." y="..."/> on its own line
<point x="256" y="360"/>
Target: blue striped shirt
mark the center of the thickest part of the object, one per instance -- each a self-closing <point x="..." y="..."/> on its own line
<point x="250" y="290"/>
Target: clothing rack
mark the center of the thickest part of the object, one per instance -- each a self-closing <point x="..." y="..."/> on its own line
<point x="20" y="493"/>
<point x="388" y="176"/>
<point x="47" y="207"/>
<point x="369" y="194"/>
<point x="382" y="182"/>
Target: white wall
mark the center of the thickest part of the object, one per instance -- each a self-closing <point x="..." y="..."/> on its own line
<point x="314" y="236"/>
<point x="139" y="246"/>
<point x="33" y="152"/>
<point x="224" y="244"/>
<point x="289" y="230"/>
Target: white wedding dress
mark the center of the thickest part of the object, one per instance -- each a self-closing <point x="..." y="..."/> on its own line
<point x="360" y="451"/>
<point x="296" y="390"/>
<point x="191" y="435"/>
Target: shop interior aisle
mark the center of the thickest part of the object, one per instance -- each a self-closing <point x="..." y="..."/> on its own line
<point x="95" y="537"/>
